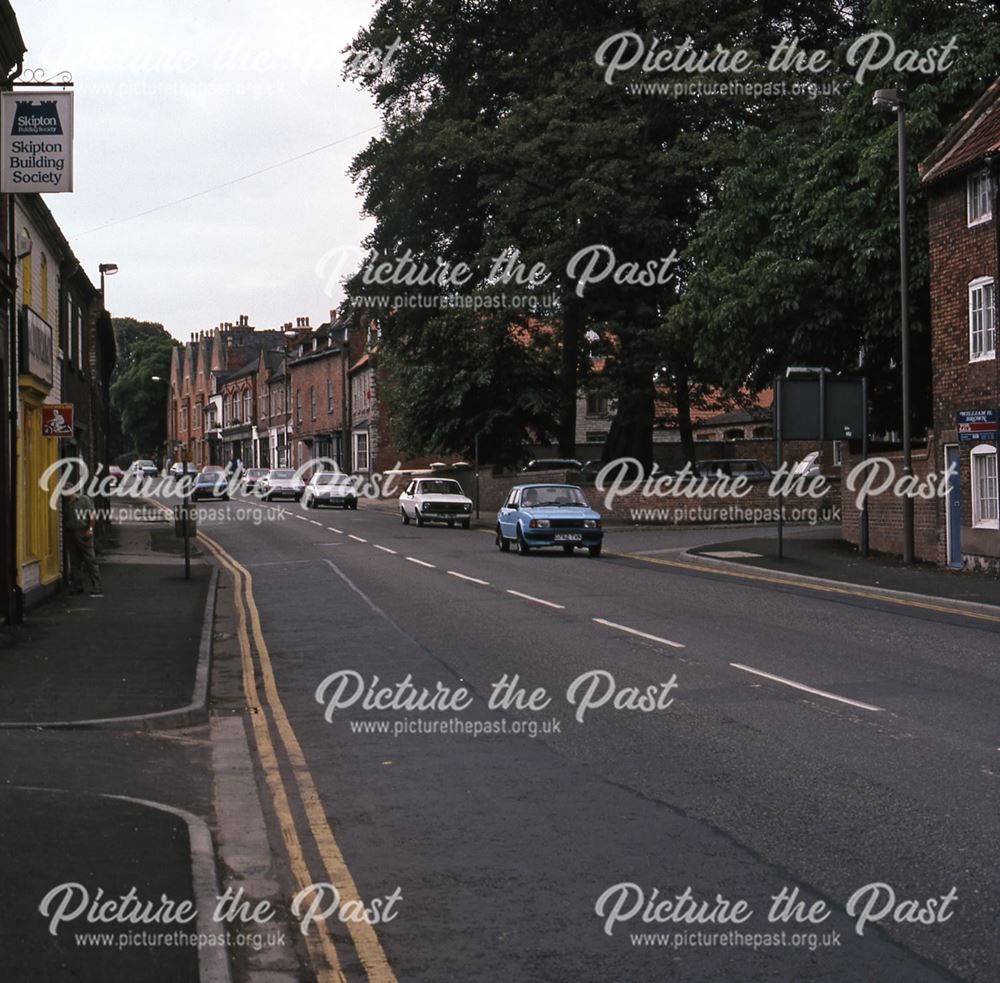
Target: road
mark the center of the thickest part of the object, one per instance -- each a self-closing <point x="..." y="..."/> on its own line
<point x="531" y="855"/>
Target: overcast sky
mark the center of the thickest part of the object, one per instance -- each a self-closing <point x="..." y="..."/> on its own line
<point x="175" y="97"/>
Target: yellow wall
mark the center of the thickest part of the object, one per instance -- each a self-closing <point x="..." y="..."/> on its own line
<point x="38" y="526"/>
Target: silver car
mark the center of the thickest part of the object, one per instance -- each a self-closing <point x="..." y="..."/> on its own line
<point x="330" y="488"/>
<point x="281" y="483"/>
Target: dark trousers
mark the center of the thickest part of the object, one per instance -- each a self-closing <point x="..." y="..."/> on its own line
<point x="82" y="558"/>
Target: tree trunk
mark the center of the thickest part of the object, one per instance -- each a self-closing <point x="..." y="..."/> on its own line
<point x="573" y="319"/>
<point x="682" y="397"/>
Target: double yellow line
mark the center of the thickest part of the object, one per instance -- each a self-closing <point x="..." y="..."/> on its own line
<point x="318" y="941"/>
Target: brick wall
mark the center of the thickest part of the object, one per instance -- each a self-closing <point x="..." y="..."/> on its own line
<point x="885" y="511"/>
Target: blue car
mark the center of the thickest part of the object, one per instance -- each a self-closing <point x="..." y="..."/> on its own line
<point x="548" y="515"/>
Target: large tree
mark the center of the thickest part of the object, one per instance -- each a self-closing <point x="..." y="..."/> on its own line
<point x="139" y="403"/>
<point x="797" y="260"/>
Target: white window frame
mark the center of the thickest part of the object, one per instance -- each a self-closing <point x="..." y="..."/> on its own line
<point x="838" y="453"/>
<point x="978" y="186"/>
<point x="985" y="508"/>
<point x="358" y="438"/>
<point x="979" y="286"/>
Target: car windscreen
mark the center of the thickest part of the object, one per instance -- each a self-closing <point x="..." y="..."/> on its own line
<point x="332" y="479"/>
<point x="283" y="475"/>
<point x="554" y="495"/>
<point x="440" y="488"/>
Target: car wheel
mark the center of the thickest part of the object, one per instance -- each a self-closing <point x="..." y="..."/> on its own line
<point x="595" y="551"/>
<point x="307" y="502"/>
<point x="451" y="524"/>
<point x="418" y="517"/>
<point x="404" y="516"/>
<point x="354" y="506"/>
<point x="567" y="549"/>
<point x="503" y="544"/>
<point x="522" y="547"/>
<point x="465" y="523"/>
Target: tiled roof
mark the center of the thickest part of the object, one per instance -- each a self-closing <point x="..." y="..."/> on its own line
<point x="976" y="136"/>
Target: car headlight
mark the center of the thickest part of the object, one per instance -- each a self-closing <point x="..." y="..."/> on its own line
<point x="467" y="507"/>
<point x="540" y="523"/>
<point x="426" y="505"/>
<point x="591" y="524"/>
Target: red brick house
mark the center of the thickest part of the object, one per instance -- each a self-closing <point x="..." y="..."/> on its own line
<point x="960" y="180"/>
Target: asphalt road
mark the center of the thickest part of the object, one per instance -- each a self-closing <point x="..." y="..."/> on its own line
<point x="733" y="787"/>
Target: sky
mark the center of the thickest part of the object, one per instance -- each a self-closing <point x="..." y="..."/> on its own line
<point x="173" y="98"/>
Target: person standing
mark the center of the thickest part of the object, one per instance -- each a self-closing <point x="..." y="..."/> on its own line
<point x="79" y="522"/>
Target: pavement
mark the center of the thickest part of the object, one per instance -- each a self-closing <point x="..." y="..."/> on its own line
<point x="828" y="557"/>
<point x="107" y="773"/>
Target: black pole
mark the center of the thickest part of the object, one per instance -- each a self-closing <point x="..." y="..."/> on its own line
<point x="477" y="474"/>
<point x="904" y="290"/>
<point x="863" y="537"/>
<point x="778" y="464"/>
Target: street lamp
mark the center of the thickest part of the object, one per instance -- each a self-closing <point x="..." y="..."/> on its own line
<point x="896" y="99"/>
<point x="106" y="269"/>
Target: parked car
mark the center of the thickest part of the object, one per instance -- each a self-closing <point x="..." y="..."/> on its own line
<point x="180" y="468"/>
<point x="251" y="476"/>
<point x="731" y="468"/>
<point x="808" y="467"/>
<point x="210" y="484"/>
<point x="115" y="475"/>
<point x="280" y="483"/>
<point x="435" y="500"/>
<point x="145" y="469"/>
<point x="553" y="464"/>
<point x="535" y="516"/>
<point x="331" y="488"/>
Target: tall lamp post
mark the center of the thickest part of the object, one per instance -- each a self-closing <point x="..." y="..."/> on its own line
<point x="895" y="99"/>
<point x="106" y="269"/>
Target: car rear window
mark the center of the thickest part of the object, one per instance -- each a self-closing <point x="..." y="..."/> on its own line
<point x="282" y="474"/>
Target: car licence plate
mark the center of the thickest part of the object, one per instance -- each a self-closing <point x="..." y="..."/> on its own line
<point x="568" y="537"/>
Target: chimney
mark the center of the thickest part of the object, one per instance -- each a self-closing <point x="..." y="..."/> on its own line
<point x="244" y="320"/>
<point x="333" y="314"/>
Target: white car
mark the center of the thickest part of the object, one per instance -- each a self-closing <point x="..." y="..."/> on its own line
<point x="280" y="483"/>
<point x="435" y="500"/>
<point x="330" y="488"/>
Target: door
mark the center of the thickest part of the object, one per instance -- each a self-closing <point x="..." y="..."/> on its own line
<point x="953" y="506"/>
<point x="508" y="516"/>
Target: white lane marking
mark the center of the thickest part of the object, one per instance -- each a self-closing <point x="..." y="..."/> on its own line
<point x="302" y="517"/>
<point x="472" y="580"/>
<point x="315" y="523"/>
<point x="537" y="600"/>
<point x="422" y="563"/>
<point x="384" y="549"/>
<point x="808" y="689"/>
<point x="333" y="529"/>
<point x="641" y="634"/>
<point x="351" y="535"/>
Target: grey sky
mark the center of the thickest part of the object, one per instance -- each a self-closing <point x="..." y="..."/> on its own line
<point x="176" y="97"/>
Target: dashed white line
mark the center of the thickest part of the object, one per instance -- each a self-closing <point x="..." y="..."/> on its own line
<point x="472" y="580"/>
<point x="384" y="549"/>
<point x="315" y="523"/>
<point x="422" y="563"/>
<point x="537" y="600"/>
<point x="351" y="535"/>
<point x="302" y="517"/>
<point x="333" y="529"/>
<point x="808" y="689"/>
<point x="640" y="634"/>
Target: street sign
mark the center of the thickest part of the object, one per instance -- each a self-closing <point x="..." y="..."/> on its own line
<point x="37" y="141"/>
<point x="977" y="425"/>
<point x="57" y="420"/>
<point x="820" y="408"/>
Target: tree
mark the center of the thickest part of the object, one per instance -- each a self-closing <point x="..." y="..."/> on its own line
<point x="797" y="261"/>
<point x="138" y="403"/>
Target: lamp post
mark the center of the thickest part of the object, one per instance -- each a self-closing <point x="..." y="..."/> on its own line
<point x="106" y="269"/>
<point x="896" y="99"/>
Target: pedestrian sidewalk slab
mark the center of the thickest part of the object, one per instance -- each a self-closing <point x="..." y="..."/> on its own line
<point x="140" y="650"/>
<point x="832" y="559"/>
<point x="99" y="843"/>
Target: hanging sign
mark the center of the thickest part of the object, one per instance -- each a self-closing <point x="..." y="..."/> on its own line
<point x="36" y="141"/>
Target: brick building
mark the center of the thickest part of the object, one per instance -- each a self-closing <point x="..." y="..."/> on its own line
<point x="960" y="178"/>
<point x="960" y="528"/>
<point x="201" y="423"/>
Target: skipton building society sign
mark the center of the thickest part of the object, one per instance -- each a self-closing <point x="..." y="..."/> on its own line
<point x="36" y="142"/>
